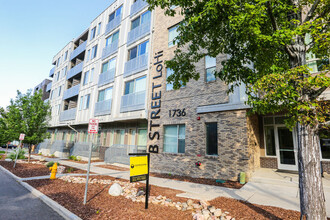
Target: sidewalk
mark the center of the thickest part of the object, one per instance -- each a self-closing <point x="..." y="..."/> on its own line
<point x="267" y="187"/>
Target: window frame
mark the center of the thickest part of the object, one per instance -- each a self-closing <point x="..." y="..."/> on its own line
<point x="134" y="84"/>
<point x="178" y="130"/>
<point x="93" y="33"/>
<point x="86" y="78"/>
<point x="211" y="67"/>
<point x="206" y="140"/>
<point x="171" y="43"/>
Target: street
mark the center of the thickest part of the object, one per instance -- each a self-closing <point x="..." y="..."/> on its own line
<point x="17" y="203"/>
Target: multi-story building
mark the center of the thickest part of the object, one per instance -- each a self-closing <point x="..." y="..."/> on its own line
<point x="45" y="86"/>
<point x="114" y="71"/>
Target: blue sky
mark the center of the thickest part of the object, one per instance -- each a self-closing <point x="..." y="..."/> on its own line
<point x="32" y="32"/>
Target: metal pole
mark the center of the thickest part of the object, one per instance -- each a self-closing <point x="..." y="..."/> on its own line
<point x="147" y="183"/>
<point x="88" y="168"/>
<point x="20" y="143"/>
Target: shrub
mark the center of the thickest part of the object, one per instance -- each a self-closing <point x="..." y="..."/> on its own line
<point x="52" y="156"/>
<point x="2" y="152"/>
<point x="75" y="158"/>
<point x="40" y="153"/>
<point x="21" y="154"/>
<point x="51" y="163"/>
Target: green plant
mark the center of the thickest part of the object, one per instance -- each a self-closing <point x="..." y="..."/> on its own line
<point x="51" y="163"/>
<point x="78" y="158"/>
<point x="69" y="170"/>
<point x="40" y="153"/>
<point x="72" y="157"/>
<point x="52" y="156"/>
<point x="21" y="155"/>
<point x="2" y="152"/>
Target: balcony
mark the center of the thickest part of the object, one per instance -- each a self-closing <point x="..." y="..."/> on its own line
<point x="49" y="87"/>
<point x="68" y="114"/>
<point x="75" y="70"/>
<point x="51" y="72"/>
<point x="112" y="24"/>
<point x="133" y="102"/>
<point x="81" y="48"/>
<point x="110" y="49"/>
<point x="73" y="91"/>
<point x="107" y="77"/>
<point x="136" y="65"/>
<point x="138" y="6"/>
<point x="103" y="108"/>
<point x="138" y="33"/>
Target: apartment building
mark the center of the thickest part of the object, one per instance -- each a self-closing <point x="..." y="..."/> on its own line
<point x="45" y="87"/>
<point x="114" y="71"/>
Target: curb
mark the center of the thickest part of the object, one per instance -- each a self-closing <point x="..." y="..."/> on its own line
<point x="62" y="211"/>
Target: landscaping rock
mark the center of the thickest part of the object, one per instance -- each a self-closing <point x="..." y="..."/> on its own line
<point x="60" y="169"/>
<point x="211" y="208"/>
<point x="217" y="213"/>
<point x="8" y="160"/>
<point x="115" y="190"/>
<point x="189" y="202"/>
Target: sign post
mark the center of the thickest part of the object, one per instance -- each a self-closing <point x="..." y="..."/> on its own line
<point x="139" y="170"/>
<point x="21" y="138"/>
<point x="93" y="128"/>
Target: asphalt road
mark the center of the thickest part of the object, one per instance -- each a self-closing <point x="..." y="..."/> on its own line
<point x="17" y="203"/>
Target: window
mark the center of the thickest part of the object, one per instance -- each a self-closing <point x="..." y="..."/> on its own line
<point x="51" y="94"/>
<point x="143" y="19"/>
<point x="211" y="138"/>
<point x="94" y="52"/>
<point x="92" y="75"/>
<point x="86" y="101"/>
<point x="112" y="38"/>
<point x="93" y="32"/>
<point x="120" y="136"/>
<point x="111" y="64"/>
<point x="105" y="94"/>
<point x="138" y="50"/>
<point x="59" y="91"/>
<point x="81" y="102"/>
<point x="269" y="133"/>
<point x="66" y="55"/>
<point x="142" y="137"/>
<point x="65" y="71"/>
<point x="58" y="109"/>
<point x="88" y="54"/>
<point x="172" y="34"/>
<point x="58" y="61"/>
<point x="136" y="85"/>
<point x="174" y="138"/>
<point x="115" y="14"/>
<point x="86" y="78"/>
<point x="99" y="28"/>
<point x="325" y="143"/>
<point x="58" y="76"/>
<point x="210" y="64"/>
<point x="169" y="86"/>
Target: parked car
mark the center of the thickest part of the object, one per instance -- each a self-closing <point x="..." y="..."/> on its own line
<point x="10" y="146"/>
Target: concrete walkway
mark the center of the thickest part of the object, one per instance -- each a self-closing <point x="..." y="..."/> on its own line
<point x="267" y="187"/>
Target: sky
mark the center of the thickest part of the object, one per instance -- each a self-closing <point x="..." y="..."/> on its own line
<point x="31" y="34"/>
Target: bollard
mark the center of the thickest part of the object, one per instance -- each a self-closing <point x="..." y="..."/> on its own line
<point x="53" y="170"/>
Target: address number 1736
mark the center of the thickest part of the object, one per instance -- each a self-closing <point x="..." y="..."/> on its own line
<point x="177" y="112"/>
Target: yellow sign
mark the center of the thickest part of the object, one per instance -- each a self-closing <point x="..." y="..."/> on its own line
<point x="138" y="165"/>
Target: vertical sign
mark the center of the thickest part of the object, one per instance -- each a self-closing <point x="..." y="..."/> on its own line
<point x="93" y="126"/>
<point x="21" y="137"/>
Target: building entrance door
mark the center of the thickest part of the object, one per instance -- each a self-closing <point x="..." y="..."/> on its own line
<point x="286" y="148"/>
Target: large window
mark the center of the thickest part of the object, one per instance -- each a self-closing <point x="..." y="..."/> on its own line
<point x="174" y="138"/>
<point x="105" y="94"/>
<point x="66" y="55"/>
<point x="59" y="91"/>
<point x="115" y="14"/>
<point x="93" y="33"/>
<point x="138" y="50"/>
<point x="120" y="136"/>
<point x="212" y="138"/>
<point x="112" y="38"/>
<point x="111" y="64"/>
<point x="269" y="133"/>
<point x="81" y="102"/>
<point x="94" y="52"/>
<point x="142" y="19"/>
<point x="85" y="81"/>
<point x="86" y="101"/>
<point x="172" y="34"/>
<point x="136" y="85"/>
<point x="99" y="28"/>
<point x="210" y="64"/>
<point x="169" y="86"/>
<point x="88" y="54"/>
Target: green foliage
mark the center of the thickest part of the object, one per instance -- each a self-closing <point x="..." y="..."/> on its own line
<point x="52" y="156"/>
<point x="51" y="163"/>
<point x="2" y="152"/>
<point x="40" y="153"/>
<point x="69" y="170"/>
<point x="21" y="154"/>
<point x="75" y="158"/>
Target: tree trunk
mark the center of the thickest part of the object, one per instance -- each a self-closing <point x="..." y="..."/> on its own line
<point x="30" y="147"/>
<point x="7" y="148"/>
<point x="312" y="200"/>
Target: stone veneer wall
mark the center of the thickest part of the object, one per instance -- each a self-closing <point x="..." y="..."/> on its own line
<point x="268" y="162"/>
<point x="233" y="142"/>
<point x="253" y="143"/>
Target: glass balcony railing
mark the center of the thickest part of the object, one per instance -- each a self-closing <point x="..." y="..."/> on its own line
<point x="138" y="33"/>
<point x="136" y="65"/>
<point x="75" y="70"/>
<point x="138" y="6"/>
<point x="106" y="77"/>
<point x="51" y="72"/>
<point x="81" y="48"/>
<point x="133" y="102"/>
<point x="69" y="114"/>
<point x="110" y="49"/>
<point x="73" y="91"/>
<point x="103" y="107"/>
<point x="112" y="24"/>
<point x="48" y="87"/>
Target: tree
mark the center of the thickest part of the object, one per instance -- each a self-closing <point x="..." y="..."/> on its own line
<point x="267" y="43"/>
<point x="32" y="120"/>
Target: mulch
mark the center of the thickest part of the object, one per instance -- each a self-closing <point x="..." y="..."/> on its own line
<point x="245" y="210"/>
<point x="104" y="206"/>
<point x="25" y="170"/>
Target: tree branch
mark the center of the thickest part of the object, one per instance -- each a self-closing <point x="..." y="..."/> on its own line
<point x="311" y="11"/>
<point x="271" y="16"/>
<point x="317" y="93"/>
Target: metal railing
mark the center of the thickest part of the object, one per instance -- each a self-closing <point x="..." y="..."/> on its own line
<point x="138" y="6"/>
<point x="51" y="72"/>
<point x="110" y="49"/>
<point x="75" y="70"/>
<point x="61" y="146"/>
<point x="103" y="107"/>
<point x="107" y="77"/>
<point x="119" y="153"/>
<point x="112" y="24"/>
<point x="69" y="114"/>
<point x="78" y="50"/>
<point x="49" y="87"/>
<point x="133" y="102"/>
<point x="136" y="65"/>
<point x="73" y="91"/>
<point x="82" y="149"/>
<point x="138" y="32"/>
